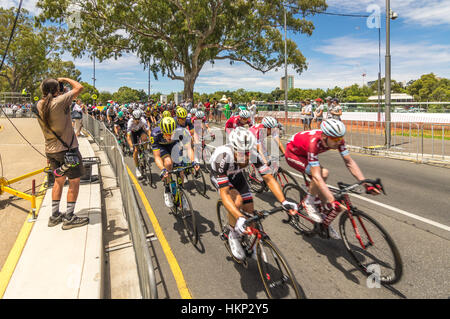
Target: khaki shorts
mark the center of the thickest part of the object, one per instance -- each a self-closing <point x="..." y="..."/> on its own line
<point x="57" y="160"/>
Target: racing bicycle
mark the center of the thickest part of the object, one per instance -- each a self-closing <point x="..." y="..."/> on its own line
<point x="277" y="276"/>
<point x="368" y="243"/>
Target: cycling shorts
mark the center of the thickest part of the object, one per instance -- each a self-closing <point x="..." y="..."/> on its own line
<point x="299" y="163"/>
<point x="136" y="136"/>
<point x="238" y="182"/>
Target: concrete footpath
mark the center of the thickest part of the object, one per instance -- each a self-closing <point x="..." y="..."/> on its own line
<point x="63" y="264"/>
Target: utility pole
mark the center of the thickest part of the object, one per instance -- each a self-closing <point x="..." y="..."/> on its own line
<point x="285" y="70"/>
<point x="94" y="70"/>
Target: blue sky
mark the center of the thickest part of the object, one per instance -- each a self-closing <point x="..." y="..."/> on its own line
<point x="339" y="51"/>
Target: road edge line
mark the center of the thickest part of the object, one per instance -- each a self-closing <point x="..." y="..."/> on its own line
<point x="174" y="266"/>
<point x="15" y="253"/>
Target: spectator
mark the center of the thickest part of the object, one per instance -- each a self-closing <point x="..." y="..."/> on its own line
<point x="225" y="107"/>
<point x="232" y="107"/>
<point x="14" y="109"/>
<point x="318" y="114"/>
<point x="215" y="110"/>
<point x="77" y="115"/>
<point x="61" y="148"/>
<point x="252" y="109"/>
<point x="308" y="115"/>
<point x="302" y="114"/>
<point x="336" y="110"/>
<point x="329" y="106"/>
<point x="208" y="110"/>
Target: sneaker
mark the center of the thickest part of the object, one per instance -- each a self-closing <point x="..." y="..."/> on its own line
<point x="333" y="233"/>
<point x="168" y="200"/>
<point x="311" y="210"/>
<point x="75" y="221"/>
<point x="53" y="221"/>
<point x="138" y="173"/>
<point x="235" y="245"/>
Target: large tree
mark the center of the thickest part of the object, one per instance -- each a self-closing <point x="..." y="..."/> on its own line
<point x="177" y="37"/>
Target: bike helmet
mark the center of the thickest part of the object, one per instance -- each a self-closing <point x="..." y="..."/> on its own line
<point x="242" y="139"/>
<point x="137" y="114"/>
<point x="200" y="114"/>
<point x="167" y="125"/>
<point x="244" y="114"/>
<point x="166" y="114"/>
<point x="181" y="113"/>
<point x="120" y="114"/>
<point x="333" y="128"/>
<point x="193" y="111"/>
<point x="269" y="122"/>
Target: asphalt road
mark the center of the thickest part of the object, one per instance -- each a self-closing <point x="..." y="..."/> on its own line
<point x="322" y="268"/>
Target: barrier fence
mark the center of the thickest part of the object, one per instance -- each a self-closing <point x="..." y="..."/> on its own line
<point x="108" y="143"/>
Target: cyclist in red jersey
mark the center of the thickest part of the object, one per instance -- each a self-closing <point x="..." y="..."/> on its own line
<point x="302" y="154"/>
<point x="239" y="120"/>
<point x="268" y="123"/>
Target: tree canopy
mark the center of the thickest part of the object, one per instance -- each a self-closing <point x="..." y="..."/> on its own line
<point x="177" y="37"/>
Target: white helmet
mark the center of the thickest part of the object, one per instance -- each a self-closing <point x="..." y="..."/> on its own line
<point x="137" y="114"/>
<point x="200" y="114"/>
<point x="269" y="122"/>
<point x="193" y="111"/>
<point x="242" y="139"/>
<point x="244" y="114"/>
<point x="333" y="128"/>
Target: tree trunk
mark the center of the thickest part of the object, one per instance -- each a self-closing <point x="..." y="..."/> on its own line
<point x="189" y="82"/>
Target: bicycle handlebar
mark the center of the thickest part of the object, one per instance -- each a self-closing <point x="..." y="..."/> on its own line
<point x="344" y="188"/>
<point x="179" y="169"/>
<point x="263" y="214"/>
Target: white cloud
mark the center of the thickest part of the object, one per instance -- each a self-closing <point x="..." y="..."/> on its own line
<point x="423" y="12"/>
<point x="29" y="5"/>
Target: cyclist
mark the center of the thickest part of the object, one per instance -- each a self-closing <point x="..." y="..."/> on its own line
<point x="110" y="115"/>
<point x="182" y="120"/>
<point x="238" y="120"/>
<point x="302" y="153"/>
<point x="120" y="123"/>
<point x="227" y="164"/>
<point x="192" y="113"/>
<point x="137" y="131"/>
<point x="269" y="124"/>
<point x="164" y="140"/>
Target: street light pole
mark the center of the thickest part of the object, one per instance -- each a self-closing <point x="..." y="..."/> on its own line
<point x="387" y="81"/>
<point x="285" y="70"/>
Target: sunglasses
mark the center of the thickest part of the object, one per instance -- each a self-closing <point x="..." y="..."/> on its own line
<point x="336" y="139"/>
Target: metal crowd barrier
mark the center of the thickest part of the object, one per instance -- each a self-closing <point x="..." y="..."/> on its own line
<point x="18" y="114"/>
<point x="108" y="143"/>
<point x="420" y="141"/>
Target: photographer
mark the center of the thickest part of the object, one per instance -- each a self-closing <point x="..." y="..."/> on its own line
<point x="61" y="147"/>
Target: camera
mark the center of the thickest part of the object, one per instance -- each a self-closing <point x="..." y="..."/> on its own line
<point x="61" y="87"/>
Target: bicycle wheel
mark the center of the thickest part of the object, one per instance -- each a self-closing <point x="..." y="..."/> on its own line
<point x="199" y="181"/>
<point x="206" y="156"/>
<point x="278" y="279"/>
<point x="224" y="228"/>
<point x="380" y="255"/>
<point x="295" y="193"/>
<point x="254" y="179"/>
<point x="185" y="211"/>
<point x="148" y="162"/>
<point x="284" y="177"/>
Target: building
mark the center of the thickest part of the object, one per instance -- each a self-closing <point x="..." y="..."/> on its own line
<point x="395" y="97"/>
<point x="290" y="82"/>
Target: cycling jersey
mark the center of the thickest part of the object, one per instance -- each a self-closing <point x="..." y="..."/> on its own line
<point x="134" y="127"/>
<point x="257" y="129"/>
<point x="234" y="122"/>
<point x="303" y="149"/>
<point x="174" y="147"/>
<point x="226" y="172"/>
<point x="187" y="124"/>
<point x="204" y="120"/>
<point x="122" y="123"/>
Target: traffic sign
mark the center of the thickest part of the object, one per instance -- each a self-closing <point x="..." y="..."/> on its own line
<point x="94" y="96"/>
<point x="36" y="98"/>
